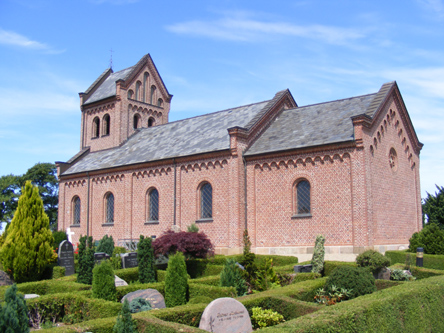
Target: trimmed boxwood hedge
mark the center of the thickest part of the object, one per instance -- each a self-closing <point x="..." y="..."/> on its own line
<point x="261" y="259"/>
<point x="416" y="306"/>
<point x="433" y="261"/>
<point x="211" y="291"/>
<point x="330" y="266"/>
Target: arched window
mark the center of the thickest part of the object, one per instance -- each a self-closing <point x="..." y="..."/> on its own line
<point x="109" y="208"/>
<point x="138" y="90"/>
<point x="153" y="205"/>
<point x="76" y="210"/>
<point x="206" y="201"/>
<point x="130" y="94"/>
<point x="96" y="127"/>
<point x="302" y="196"/>
<point x="136" y="121"/>
<point x="153" y="90"/>
<point x="106" y="124"/>
<point x="145" y="82"/>
<point x="160" y="102"/>
<point x="151" y="122"/>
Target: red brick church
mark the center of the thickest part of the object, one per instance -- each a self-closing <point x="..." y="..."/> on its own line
<point x="347" y="169"/>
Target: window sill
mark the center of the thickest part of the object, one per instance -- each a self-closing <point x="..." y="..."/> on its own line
<point x="77" y="225"/>
<point x="301" y="216"/>
<point x="108" y="224"/>
<point x="105" y="135"/>
<point x="95" y="137"/>
<point x="207" y="220"/>
<point x="151" y="222"/>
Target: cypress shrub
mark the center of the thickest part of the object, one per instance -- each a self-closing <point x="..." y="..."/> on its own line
<point x="231" y="276"/>
<point x="357" y="280"/>
<point x="27" y="250"/>
<point x="103" y="285"/>
<point x="176" y="281"/>
<point x="106" y="244"/>
<point x="372" y="259"/>
<point x="14" y="316"/>
<point x="124" y="323"/>
<point x="86" y="260"/>
<point x="318" y="255"/>
<point x="145" y="258"/>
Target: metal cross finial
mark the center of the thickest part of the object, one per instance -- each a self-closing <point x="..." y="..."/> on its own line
<point x="111" y="59"/>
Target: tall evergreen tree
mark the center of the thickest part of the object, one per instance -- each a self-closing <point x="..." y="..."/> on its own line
<point x="433" y="207"/>
<point x="145" y="259"/>
<point x="103" y="285"/>
<point x="86" y="260"/>
<point x="28" y="246"/>
<point x="176" y="281"/>
<point x="14" y="316"/>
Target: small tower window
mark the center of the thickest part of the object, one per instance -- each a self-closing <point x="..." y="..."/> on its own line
<point x="136" y="121"/>
<point x="151" y="122"/>
<point x="96" y="127"/>
<point x="145" y="82"/>
<point x="160" y="102"/>
<point x="106" y="124"/>
<point x="130" y="94"/>
<point x="138" y="90"/>
<point x="153" y="90"/>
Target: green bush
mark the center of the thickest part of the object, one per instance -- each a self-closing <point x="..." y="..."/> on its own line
<point x="58" y="272"/>
<point x="103" y="285"/>
<point x="431" y="261"/>
<point x="212" y="292"/>
<point x="106" y="244"/>
<point x="373" y="260"/>
<point x="14" y="316"/>
<point x="400" y="275"/>
<point x="264" y="318"/>
<point x="86" y="260"/>
<point x="318" y="255"/>
<point x="124" y="323"/>
<point x="431" y="238"/>
<point x="330" y="266"/>
<point x="266" y="277"/>
<point x="231" y="276"/>
<point x="358" y="281"/>
<point x="145" y="258"/>
<point x="139" y="304"/>
<point x="59" y="236"/>
<point x="200" y="300"/>
<point x="176" y="281"/>
<point x="116" y="259"/>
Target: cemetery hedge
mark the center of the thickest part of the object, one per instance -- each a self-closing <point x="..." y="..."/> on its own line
<point x="413" y="307"/>
<point x="330" y="266"/>
<point x="433" y="261"/>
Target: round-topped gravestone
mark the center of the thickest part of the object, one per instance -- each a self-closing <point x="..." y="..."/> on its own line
<point x="66" y="257"/>
<point x="226" y="315"/>
<point x="151" y="295"/>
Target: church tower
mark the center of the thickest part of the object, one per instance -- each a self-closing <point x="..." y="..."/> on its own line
<point x="117" y="104"/>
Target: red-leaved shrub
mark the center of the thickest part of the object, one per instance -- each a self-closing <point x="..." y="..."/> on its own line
<point x="191" y="244"/>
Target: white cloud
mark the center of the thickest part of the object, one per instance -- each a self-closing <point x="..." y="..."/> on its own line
<point x="242" y="29"/>
<point x="14" y="39"/>
<point x="435" y="6"/>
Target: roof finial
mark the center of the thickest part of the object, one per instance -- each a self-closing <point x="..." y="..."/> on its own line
<point x="111" y="59"/>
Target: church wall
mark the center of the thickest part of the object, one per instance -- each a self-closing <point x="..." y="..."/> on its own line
<point x="272" y="222"/>
<point x="393" y="185"/>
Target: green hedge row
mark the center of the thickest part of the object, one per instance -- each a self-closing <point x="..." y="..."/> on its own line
<point x="433" y="261"/>
<point x="212" y="292"/>
<point x="277" y="260"/>
<point x="208" y="280"/>
<point x="330" y="266"/>
<point x="416" y="306"/>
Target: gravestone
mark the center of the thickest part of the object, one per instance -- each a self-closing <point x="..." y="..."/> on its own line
<point x="100" y="256"/>
<point x="129" y="260"/>
<point x="226" y="315"/>
<point x="302" y="268"/>
<point x="66" y="257"/>
<point x="151" y="295"/>
<point x="118" y="282"/>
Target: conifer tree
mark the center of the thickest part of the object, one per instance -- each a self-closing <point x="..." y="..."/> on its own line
<point x="103" y="285"/>
<point x="145" y="259"/>
<point x="231" y="276"/>
<point x="106" y="244"/>
<point x="124" y="323"/>
<point x="14" y="316"/>
<point x="86" y="260"/>
<point x="317" y="260"/>
<point x="176" y="281"/>
<point x="28" y="247"/>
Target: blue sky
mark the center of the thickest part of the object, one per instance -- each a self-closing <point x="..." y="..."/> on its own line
<point x="214" y="55"/>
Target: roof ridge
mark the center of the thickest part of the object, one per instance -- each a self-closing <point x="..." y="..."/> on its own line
<point x="335" y="100"/>
<point x="379" y="98"/>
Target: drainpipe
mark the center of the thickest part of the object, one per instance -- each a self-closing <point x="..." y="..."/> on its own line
<point x="245" y="189"/>
<point x="175" y="184"/>
<point x="87" y="212"/>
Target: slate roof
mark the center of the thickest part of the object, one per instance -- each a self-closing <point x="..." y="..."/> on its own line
<point x="108" y="87"/>
<point x="202" y="134"/>
<point x="312" y="125"/>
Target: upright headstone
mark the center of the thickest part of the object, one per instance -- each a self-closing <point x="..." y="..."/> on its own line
<point x="151" y="295"/>
<point x="226" y="315"/>
<point x="100" y="256"/>
<point x="129" y="260"/>
<point x="66" y="257"/>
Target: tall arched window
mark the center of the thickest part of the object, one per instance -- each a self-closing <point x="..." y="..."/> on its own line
<point x="153" y="90"/>
<point x="145" y="82"/>
<point x="96" y="127"/>
<point x="160" y="102"/>
<point x="109" y="208"/>
<point x="153" y="205"/>
<point x="206" y="201"/>
<point x="106" y="124"/>
<point x="76" y="210"/>
<point x="136" y="121"/>
<point x="138" y="90"/>
<point x="151" y="122"/>
<point x="302" y="197"/>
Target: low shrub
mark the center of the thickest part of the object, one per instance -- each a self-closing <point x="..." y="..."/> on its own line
<point x="200" y="300"/>
<point x="231" y="276"/>
<point x="139" y="304"/>
<point x="14" y="316"/>
<point x="191" y="244"/>
<point x="332" y="295"/>
<point x="373" y="260"/>
<point x="124" y="322"/>
<point x="106" y="244"/>
<point x="264" y="318"/>
<point x="400" y="275"/>
<point x="431" y="238"/>
<point x="357" y="280"/>
<point x="58" y="272"/>
<point x="330" y="266"/>
<point x="116" y="259"/>
<point x="266" y="277"/>
<point x="212" y="292"/>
